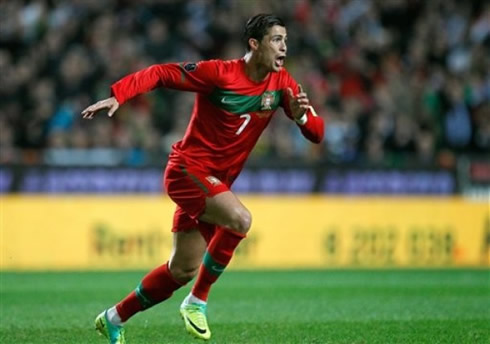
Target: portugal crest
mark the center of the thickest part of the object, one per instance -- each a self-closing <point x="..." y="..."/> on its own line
<point x="267" y="100"/>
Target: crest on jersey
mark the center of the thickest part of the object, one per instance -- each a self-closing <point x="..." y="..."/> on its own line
<point x="213" y="180"/>
<point x="190" y="67"/>
<point x="267" y="100"/>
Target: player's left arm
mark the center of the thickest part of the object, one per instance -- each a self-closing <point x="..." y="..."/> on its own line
<point x="297" y="107"/>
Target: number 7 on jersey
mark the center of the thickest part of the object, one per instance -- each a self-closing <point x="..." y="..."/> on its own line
<point x="244" y="124"/>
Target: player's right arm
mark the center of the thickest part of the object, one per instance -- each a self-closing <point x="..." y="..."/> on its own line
<point x="194" y="77"/>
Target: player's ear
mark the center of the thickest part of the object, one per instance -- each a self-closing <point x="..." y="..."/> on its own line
<point x="253" y="43"/>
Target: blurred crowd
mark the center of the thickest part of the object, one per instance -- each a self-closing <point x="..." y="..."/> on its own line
<point x="397" y="81"/>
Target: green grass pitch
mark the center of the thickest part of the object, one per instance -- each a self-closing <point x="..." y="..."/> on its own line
<point x="332" y="306"/>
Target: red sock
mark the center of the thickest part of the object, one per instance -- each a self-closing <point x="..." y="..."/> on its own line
<point x="218" y="255"/>
<point x="157" y="286"/>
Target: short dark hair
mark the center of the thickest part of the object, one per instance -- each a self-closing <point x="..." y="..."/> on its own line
<point x="257" y="26"/>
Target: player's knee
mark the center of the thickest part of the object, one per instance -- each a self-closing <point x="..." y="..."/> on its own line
<point x="184" y="274"/>
<point x="241" y="220"/>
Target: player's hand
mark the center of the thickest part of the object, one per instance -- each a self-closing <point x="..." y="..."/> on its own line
<point x="110" y="103"/>
<point x="298" y="103"/>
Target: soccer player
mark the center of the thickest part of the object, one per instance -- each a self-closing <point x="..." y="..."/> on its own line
<point x="235" y="101"/>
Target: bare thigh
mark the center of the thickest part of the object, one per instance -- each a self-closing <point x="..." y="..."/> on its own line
<point x="226" y="210"/>
<point x="188" y="250"/>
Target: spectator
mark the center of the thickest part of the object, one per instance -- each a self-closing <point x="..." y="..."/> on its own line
<point x="393" y="78"/>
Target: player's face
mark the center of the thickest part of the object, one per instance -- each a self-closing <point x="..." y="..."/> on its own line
<point x="273" y="48"/>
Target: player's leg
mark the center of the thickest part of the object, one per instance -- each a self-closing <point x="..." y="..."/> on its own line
<point x="233" y="221"/>
<point x="226" y="210"/>
<point x="188" y="250"/>
<point x="157" y="286"/>
<point x="205" y="198"/>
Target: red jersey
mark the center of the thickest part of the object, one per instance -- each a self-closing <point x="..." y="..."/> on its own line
<point x="230" y="111"/>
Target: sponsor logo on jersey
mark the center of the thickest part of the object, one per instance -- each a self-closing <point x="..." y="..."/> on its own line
<point x="190" y="67"/>
<point x="267" y="100"/>
<point x="225" y="100"/>
<point x="213" y="180"/>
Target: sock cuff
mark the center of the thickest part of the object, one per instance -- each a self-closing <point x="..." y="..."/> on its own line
<point x="145" y="300"/>
<point x="214" y="266"/>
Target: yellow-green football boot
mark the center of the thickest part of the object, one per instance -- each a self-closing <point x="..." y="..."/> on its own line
<point x="114" y="333"/>
<point x="194" y="315"/>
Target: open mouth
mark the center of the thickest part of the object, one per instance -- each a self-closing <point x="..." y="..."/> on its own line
<point x="280" y="61"/>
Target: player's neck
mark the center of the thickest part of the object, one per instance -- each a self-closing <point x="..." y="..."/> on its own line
<point x="254" y="69"/>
